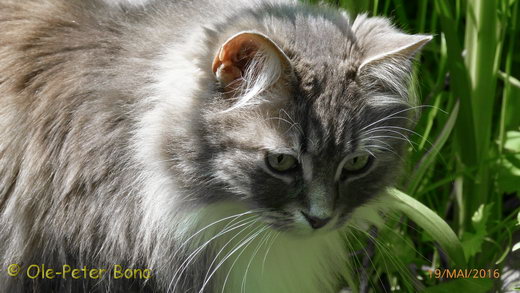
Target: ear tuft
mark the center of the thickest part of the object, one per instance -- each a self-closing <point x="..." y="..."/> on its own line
<point x="393" y="45"/>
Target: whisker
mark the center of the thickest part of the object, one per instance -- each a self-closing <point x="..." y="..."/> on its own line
<point x="234" y="217"/>
<point x="245" y="243"/>
<point x="371" y="153"/>
<point x="365" y="252"/>
<point x="385" y="250"/>
<point x="230" y="269"/>
<point x="192" y="256"/>
<point x="391" y="116"/>
<point x="379" y="147"/>
<point x="409" y="226"/>
<point x="268" y="249"/>
<point x="224" y="247"/>
<point x="294" y="122"/>
<point x="391" y="137"/>
<point x="388" y="117"/>
<point x="244" y="280"/>
<point x="404" y="129"/>
<point x="388" y="130"/>
<point x="398" y="127"/>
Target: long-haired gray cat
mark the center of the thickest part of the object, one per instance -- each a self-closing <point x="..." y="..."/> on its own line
<point x="222" y="145"/>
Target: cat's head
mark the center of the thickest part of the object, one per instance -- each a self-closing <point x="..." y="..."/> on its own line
<point x="305" y="128"/>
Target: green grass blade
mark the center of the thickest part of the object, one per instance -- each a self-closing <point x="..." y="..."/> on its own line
<point x="432" y="223"/>
<point x="429" y="158"/>
<point x="465" y="134"/>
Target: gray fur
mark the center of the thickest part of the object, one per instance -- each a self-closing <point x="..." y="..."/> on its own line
<point x="83" y="153"/>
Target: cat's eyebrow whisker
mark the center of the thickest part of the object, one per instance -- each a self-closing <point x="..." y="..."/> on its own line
<point x="382" y="147"/>
<point x="393" y="137"/>
<point x="387" y="118"/>
<point x="385" y="129"/>
<point x="292" y="124"/>
<point x="367" y="147"/>
<point x="396" y="127"/>
<point x="404" y="129"/>
<point x="364" y="135"/>
<point x="293" y="121"/>
<point x="371" y="153"/>
<point x="403" y="138"/>
<point x="282" y="110"/>
<point x="375" y="139"/>
<point x="393" y="114"/>
<point x="279" y="119"/>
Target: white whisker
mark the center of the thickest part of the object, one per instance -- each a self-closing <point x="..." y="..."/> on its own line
<point x="244" y="280"/>
<point x="234" y="217"/>
<point x="391" y="137"/>
<point x="184" y="265"/>
<point x="206" y="277"/>
<point x="391" y="116"/>
<point x="268" y="249"/>
<point x="246" y="242"/>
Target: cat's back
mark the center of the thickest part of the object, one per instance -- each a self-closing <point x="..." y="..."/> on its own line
<point x="71" y="69"/>
<point x="57" y="100"/>
<point x="34" y="31"/>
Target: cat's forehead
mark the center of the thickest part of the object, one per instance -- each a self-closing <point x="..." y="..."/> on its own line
<point x="327" y="100"/>
<point x="325" y="34"/>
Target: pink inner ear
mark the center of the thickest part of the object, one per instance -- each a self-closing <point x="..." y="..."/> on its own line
<point x="231" y="60"/>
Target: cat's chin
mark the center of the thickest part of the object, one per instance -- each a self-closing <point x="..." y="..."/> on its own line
<point x="305" y="234"/>
<point x="308" y="232"/>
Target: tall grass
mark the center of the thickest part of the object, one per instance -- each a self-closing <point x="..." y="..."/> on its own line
<point x="460" y="206"/>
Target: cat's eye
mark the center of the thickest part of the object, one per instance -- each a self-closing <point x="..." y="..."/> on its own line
<point x="357" y="165"/>
<point x="281" y="162"/>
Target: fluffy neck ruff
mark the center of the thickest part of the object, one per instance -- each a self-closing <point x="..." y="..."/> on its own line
<point x="246" y="256"/>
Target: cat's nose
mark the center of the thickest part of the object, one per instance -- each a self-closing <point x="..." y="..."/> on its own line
<point x="316" y="222"/>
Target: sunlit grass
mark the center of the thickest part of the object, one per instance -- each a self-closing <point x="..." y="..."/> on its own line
<point x="465" y="168"/>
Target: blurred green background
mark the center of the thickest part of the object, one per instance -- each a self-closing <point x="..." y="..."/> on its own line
<point x="464" y="165"/>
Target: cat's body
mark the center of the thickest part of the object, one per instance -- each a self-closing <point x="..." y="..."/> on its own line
<point x="119" y="143"/>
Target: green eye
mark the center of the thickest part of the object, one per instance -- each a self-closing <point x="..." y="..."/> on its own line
<point x="357" y="164"/>
<point x="281" y="162"/>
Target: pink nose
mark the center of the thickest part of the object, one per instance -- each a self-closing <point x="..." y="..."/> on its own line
<point x="316" y="222"/>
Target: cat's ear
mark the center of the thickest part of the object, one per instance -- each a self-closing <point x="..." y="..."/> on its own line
<point x="394" y="45"/>
<point x="249" y="58"/>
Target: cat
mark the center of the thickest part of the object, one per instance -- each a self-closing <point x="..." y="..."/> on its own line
<point x="217" y="146"/>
